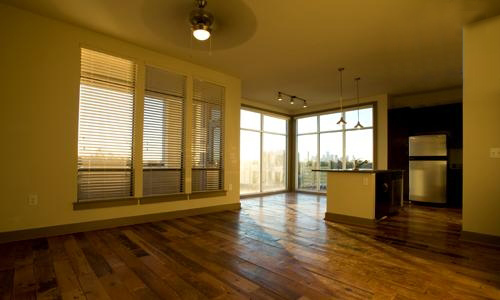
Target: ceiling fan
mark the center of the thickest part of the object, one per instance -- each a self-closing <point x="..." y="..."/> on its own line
<point x="201" y="21"/>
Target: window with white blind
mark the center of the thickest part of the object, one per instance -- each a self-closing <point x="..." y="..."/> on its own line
<point x="163" y="138"/>
<point x="207" y="137"/>
<point x="105" y="126"/>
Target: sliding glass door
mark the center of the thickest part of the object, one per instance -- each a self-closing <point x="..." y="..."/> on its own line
<point x="323" y="144"/>
<point x="263" y="153"/>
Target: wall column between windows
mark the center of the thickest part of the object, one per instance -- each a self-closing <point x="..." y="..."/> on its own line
<point x="138" y="129"/>
<point x="188" y="131"/>
<point x="344" y="147"/>
<point x="291" y="154"/>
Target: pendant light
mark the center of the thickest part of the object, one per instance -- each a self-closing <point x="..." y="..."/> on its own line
<point x="341" y="121"/>
<point x="356" y="83"/>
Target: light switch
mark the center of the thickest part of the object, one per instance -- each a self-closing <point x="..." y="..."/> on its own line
<point x="495" y="152"/>
<point x="365" y="180"/>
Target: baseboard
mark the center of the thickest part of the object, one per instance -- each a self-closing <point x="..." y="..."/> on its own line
<point x="349" y="220"/>
<point x="480" y="238"/>
<point x="247" y="196"/>
<point x="26" y="234"/>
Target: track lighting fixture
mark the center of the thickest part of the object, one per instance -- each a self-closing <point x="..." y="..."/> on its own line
<point x="292" y="99"/>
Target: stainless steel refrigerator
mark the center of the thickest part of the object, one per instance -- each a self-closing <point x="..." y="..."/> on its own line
<point x="428" y="168"/>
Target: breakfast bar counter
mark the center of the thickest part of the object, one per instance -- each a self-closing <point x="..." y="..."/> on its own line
<point x="361" y="197"/>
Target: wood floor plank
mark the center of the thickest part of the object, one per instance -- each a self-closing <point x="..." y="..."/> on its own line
<point x="275" y="247"/>
<point x="45" y="276"/>
<point x="67" y="280"/>
<point x="129" y="253"/>
<point x="88" y="280"/>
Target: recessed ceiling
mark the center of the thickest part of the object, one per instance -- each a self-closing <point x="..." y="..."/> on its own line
<point x="295" y="46"/>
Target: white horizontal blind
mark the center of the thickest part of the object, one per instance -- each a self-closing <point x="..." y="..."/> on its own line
<point x="105" y="126"/>
<point x="163" y="140"/>
<point x="208" y="137"/>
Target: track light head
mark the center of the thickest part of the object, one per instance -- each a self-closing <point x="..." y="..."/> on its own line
<point x="280" y="97"/>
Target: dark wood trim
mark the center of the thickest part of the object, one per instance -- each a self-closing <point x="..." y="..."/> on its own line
<point x="311" y="192"/>
<point x="480" y="238"/>
<point x="104" y="203"/>
<point x="198" y="195"/>
<point x="163" y="198"/>
<point x="262" y="194"/>
<point x="349" y="220"/>
<point x="25" y="234"/>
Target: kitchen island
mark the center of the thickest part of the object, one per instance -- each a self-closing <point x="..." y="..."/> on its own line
<point x="361" y="197"/>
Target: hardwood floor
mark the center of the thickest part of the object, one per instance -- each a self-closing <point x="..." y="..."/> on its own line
<point x="276" y="247"/>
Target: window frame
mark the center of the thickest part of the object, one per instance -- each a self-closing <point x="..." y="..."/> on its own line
<point x="139" y="94"/>
<point x="184" y="100"/>
<point x="344" y="131"/>
<point x="136" y="65"/>
<point x="261" y="133"/>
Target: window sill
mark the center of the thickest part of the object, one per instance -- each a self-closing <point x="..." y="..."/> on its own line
<point x="207" y="194"/>
<point x="92" y="204"/>
<point x="104" y="203"/>
<point x="162" y="198"/>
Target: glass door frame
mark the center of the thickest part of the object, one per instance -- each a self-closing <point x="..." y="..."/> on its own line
<point x="262" y="132"/>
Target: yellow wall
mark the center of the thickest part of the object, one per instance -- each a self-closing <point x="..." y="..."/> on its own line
<point x="40" y="70"/>
<point x="381" y="122"/>
<point x="351" y="194"/>
<point x="481" y="103"/>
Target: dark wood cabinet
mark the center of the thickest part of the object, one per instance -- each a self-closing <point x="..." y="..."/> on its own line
<point x="388" y="193"/>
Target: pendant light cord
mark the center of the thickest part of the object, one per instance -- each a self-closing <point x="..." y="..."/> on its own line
<point x="357" y="93"/>
<point x="340" y="89"/>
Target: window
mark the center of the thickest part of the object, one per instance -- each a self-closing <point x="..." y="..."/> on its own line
<point x="163" y="138"/>
<point x="323" y="144"/>
<point x="107" y="133"/>
<point x="263" y="152"/>
<point x="105" y="126"/>
<point x="207" y="137"/>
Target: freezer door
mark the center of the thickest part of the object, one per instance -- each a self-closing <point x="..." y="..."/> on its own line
<point x="428" y="181"/>
<point x="428" y="145"/>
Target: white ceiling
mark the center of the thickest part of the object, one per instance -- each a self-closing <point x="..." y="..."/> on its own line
<point x="295" y="46"/>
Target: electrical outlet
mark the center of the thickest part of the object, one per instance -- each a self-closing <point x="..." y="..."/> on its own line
<point x="33" y="199"/>
<point x="365" y="180"/>
<point x="495" y="152"/>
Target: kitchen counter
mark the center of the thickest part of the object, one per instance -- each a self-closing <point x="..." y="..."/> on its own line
<point x="362" y="197"/>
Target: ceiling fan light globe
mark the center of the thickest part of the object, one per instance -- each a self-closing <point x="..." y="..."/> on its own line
<point x="201" y="34"/>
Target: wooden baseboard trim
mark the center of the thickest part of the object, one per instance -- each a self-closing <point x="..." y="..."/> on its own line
<point x="248" y="196"/>
<point x="480" y="238"/>
<point x="349" y="220"/>
<point x="26" y="234"/>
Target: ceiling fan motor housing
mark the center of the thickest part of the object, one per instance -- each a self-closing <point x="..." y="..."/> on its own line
<point x="201" y="19"/>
